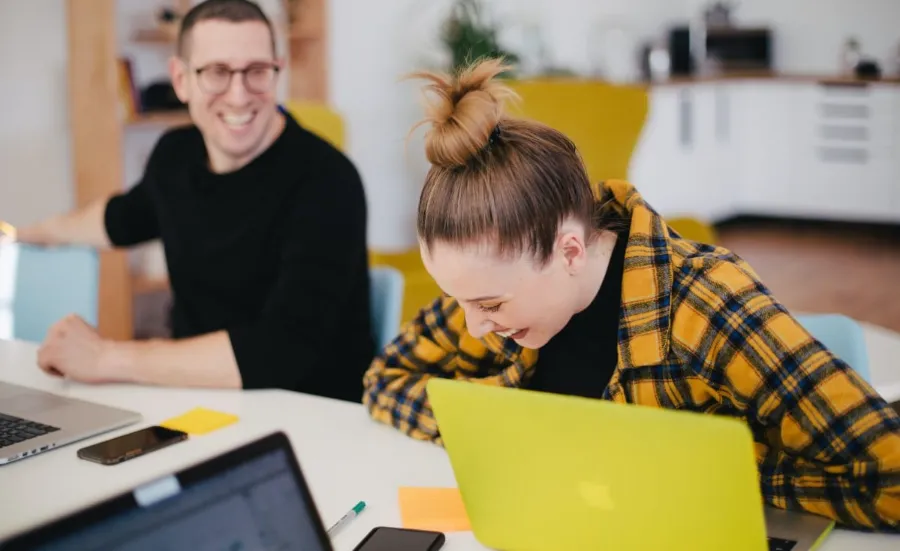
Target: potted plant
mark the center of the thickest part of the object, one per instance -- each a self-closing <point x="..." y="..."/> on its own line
<point x="468" y="36"/>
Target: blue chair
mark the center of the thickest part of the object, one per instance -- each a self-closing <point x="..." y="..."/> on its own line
<point x="843" y="336"/>
<point x="51" y="283"/>
<point x="387" y="303"/>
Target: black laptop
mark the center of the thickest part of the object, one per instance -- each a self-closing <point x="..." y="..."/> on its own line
<point x="251" y="498"/>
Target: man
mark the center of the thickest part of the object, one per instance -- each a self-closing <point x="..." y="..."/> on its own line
<point x="263" y="225"/>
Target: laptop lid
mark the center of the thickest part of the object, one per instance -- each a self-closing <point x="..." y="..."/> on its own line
<point x="253" y="497"/>
<point x="545" y="471"/>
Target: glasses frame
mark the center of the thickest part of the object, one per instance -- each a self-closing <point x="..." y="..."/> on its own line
<point x="198" y="72"/>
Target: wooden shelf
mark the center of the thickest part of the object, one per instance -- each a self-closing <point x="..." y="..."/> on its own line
<point x="154" y="36"/>
<point x="303" y="36"/>
<point x="141" y="284"/>
<point x="162" y="118"/>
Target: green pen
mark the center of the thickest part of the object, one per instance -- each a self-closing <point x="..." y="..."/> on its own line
<point x="351" y="514"/>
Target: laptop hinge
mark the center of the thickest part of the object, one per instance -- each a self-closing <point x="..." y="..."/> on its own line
<point x="156" y="491"/>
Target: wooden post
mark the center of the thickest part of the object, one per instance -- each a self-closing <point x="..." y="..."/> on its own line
<point x="308" y="51"/>
<point x="96" y="133"/>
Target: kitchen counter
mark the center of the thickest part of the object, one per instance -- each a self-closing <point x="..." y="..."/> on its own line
<point x="834" y="79"/>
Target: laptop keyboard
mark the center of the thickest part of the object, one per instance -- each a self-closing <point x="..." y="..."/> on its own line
<point x="14" y="430"/>
<point x="776" y="544"/>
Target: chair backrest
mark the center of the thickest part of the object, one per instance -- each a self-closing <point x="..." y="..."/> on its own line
<point x="843" y="336"/>
<point x="694" y="229"/>
<point x="387" y="303"/>
<point x="49" y="284"/>
<point x="604" y="120"/>
<point x="319" y="119"/>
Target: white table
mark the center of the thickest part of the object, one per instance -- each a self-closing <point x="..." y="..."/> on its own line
<point x="344" y="455"/>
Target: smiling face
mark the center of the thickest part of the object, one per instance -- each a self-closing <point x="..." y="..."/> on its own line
<point x="513" y="297"/>
<point x="237" y="122"/>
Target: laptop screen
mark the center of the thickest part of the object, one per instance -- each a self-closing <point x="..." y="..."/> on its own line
<point x="253" y="505"/>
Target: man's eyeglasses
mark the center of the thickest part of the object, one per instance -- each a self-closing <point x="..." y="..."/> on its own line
<point x="216" y="78"/>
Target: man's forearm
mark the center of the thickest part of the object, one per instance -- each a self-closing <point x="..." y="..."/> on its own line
<point x="84" y="226"/>
<point x="205" y="361"/>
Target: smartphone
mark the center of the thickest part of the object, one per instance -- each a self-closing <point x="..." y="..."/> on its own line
<point x="383" y="538"/>
<point x="129" y="446"/>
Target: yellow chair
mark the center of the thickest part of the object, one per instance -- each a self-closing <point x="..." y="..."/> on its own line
<point x="604" y="120"/>
<point x="694" y="229"/>
<point x="319" y="119"/>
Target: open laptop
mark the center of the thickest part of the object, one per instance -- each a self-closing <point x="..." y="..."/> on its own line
<point x="545" y="471"/>
<point x="251" y="498"/>
<point x="34" y="421"/>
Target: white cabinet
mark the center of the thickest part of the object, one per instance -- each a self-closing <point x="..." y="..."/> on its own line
<point x="715" y="160"/>
<point x="660" y="167"/>
<point x="683" y="159"/>
<point x="765" y="146"/>
<point x="845" y="151"/>
<point x="772" y="147"/>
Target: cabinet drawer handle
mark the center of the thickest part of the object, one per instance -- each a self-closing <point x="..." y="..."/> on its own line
<point x="686" y="119"/>
<point x="722" y="116"/>
<point x="844" y="133"/>
<point x="844" y="111"/>
<point x="843" y="155"/>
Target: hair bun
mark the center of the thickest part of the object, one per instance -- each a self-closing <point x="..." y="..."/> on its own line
<point x="465" y="112"/>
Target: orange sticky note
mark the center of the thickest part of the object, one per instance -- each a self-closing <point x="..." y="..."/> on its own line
<point x="439" y="509"/>
<point x="200" y="421"/>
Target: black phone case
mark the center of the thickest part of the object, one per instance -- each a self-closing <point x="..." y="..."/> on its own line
<point x="85" y="453"/>
<point x="438" y="542"/>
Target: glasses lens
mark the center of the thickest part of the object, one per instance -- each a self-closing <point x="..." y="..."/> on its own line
<point x="259" y="78"/>
<point x="215" y="79"/>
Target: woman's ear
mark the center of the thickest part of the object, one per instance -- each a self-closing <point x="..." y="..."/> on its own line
<point x="571" y="250"/>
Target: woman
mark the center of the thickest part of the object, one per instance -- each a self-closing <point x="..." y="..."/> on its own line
<point x="556" y="285"/>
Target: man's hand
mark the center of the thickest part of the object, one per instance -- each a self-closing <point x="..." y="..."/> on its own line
<point x="7" y="232"/>
<point x="84" y="226"/>
<point x="73" y="349"/>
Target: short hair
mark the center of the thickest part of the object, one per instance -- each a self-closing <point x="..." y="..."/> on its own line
<point x="234" y="11"/>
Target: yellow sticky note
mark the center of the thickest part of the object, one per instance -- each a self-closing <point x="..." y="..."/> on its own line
<point x="200" y="421"/>
<point x="439" y="509"/>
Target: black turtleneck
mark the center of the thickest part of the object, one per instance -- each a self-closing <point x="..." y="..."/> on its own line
<point x="580" y="359"/>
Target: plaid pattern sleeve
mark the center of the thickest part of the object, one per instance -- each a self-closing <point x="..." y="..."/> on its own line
<point x="827" y="443"/>
<point x="434" y="344"/>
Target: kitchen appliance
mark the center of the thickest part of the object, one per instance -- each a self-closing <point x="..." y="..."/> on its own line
<point x="730" y="49"/>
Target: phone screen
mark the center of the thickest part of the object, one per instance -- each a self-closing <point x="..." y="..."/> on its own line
<point x="399" y="539"/>
<point x="132" y="444"/>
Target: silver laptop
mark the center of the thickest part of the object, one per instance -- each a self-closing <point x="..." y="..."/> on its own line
<point x="34" y="421"/>
<point x="253" y="497"/>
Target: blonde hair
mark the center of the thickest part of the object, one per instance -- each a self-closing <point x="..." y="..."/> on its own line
<point x="493" y="177"/>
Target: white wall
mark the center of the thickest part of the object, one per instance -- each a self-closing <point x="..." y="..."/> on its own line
<point x="810" y="33"/>
<point x="35" y="175"/>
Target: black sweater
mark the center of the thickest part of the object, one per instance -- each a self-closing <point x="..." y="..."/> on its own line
<point x="274" y="253"/>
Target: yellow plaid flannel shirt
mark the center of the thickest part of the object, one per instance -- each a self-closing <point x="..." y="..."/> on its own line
<point x="698" y="331"/>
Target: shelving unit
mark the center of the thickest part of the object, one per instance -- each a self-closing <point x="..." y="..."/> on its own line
<point x="167" y="119"/>
<point x="98" y="133"/>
